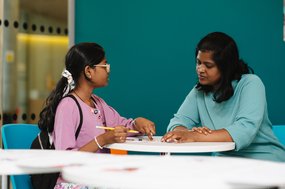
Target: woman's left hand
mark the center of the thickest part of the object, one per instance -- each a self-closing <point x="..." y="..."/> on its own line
<point x="179" y="136"/>
<point x="202" y="130"/>
<point x="145" y="126"/>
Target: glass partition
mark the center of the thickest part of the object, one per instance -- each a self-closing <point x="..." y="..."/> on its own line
<point x="34" y="41"/>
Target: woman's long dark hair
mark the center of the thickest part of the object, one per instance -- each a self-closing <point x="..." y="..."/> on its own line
<point x="226" y="56"/>
<point x="78" y="57"/>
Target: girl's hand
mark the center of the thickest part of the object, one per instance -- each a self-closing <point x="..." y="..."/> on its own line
<point x="118" y="135"/>
<point x="202" y="130"/>
<point x="145" y="126"/>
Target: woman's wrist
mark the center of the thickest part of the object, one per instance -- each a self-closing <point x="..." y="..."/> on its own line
<point x="180" y="128"/>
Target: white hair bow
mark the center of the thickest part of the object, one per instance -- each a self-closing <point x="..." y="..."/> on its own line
<point x="70" y="82"/>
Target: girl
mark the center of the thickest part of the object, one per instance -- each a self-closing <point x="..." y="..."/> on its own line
<point x="86" y="69"/>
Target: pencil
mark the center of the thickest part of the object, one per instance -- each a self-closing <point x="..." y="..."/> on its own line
<point x="111" y="128"/>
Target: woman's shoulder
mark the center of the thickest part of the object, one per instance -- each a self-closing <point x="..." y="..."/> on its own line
<point x="194" y="92"/>
<point x="250" y="78"/>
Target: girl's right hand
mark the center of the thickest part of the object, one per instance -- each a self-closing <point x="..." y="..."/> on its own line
<point x="118" y="135"/>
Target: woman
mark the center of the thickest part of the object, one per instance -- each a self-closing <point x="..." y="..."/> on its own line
<point x="228" y="104"/>
<point x="86" y="70"/>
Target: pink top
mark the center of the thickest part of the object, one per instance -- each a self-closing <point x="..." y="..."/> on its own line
<point x="67" y="119"/>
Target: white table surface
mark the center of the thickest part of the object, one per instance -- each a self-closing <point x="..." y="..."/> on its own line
<point x="163" y="147"/>
<point x="15" y="162"/>
<point x="18" y="162"/>
<point x="197" y="172"/>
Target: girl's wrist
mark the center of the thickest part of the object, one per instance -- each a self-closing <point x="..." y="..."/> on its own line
<point x="101" y="141"/>
<point x="134" y="123"/>
<point x="97" y="143"/>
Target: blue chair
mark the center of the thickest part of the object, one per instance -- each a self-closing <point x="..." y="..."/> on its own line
<point x="279" y="131"/>
<point x="19" y="136"/>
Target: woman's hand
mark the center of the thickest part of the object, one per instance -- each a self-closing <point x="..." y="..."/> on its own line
<point x="202" y="130"/>
<point x="179" y="136"/>
<point x="145" y="126"/>
<point x="182" y="134"/>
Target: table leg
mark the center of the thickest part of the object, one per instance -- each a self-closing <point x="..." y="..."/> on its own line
<point x="165" y="153"/>
<point x="4" y="182"/>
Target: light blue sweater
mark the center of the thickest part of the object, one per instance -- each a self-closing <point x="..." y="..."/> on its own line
<point x="244" y="116"/>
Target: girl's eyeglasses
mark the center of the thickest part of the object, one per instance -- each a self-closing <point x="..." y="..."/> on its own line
<point x="107" y="66"/>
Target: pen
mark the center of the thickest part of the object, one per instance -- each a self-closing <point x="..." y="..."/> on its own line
<point x="133" y="139"/>
<point x="111" y="128"/>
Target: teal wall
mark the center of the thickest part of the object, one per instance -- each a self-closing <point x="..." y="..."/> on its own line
<point x="150" y="46"/>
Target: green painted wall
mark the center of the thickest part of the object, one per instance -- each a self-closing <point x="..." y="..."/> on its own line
<point x="150" y="46"/>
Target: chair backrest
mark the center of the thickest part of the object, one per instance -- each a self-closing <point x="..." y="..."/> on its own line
<point x="279" y="131"/>
<point x="19" y="136"/>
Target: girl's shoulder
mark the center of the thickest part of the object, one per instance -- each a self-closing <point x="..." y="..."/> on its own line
<point x="68" y="105"/>
<point x="99" y="100"/>
<point x="68" y="102"/>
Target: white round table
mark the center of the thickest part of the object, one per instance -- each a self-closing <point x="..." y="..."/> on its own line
<point x="197" y="172"/>
<point x="17" y="162"/>
<point x="143" y="144"/>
